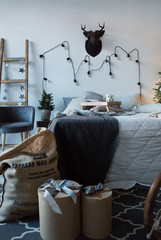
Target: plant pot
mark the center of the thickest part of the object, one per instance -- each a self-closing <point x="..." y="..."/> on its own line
<point x="45" y="114"/>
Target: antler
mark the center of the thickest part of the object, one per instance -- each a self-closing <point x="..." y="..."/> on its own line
<point x="102" y="27"/>
<point x="83" y="28"/>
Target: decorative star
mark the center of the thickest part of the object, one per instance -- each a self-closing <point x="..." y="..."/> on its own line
<point x="22" y="96"/>
<point x="22" y="62"/>
<point x="4" y="98"/>
<point x="22" y="88"/>
<point x="21" y="70"/>
<point x="5" y="90"/>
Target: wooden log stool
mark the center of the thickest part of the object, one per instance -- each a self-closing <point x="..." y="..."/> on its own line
<point x="96" y="214"/>
<point x="60" y="226"/>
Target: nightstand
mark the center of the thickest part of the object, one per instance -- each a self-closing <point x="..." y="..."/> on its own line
<point x="42" y="123"/>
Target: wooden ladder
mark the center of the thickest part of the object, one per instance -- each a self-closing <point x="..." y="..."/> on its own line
<point x="8" y="81"/>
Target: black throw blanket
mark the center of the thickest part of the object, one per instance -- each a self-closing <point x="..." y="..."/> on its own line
<point x="85" y="145"/>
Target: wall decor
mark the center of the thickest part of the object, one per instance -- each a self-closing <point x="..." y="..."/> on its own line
<point x="107" y="61"/>
<point x="7" y="86"/>
<point x="135" y="50"/>
<point x="65" y="45"/>
<point x="93" y="44"/>
<point x="9" y="66"/>
<point x="21" y="70"/>
<point x="85" y="60"/>
<point x="5" y="92"/>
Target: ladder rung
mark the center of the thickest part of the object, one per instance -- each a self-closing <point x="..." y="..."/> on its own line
<point x="11" y="103"/>
<point x="13" y="59"/>
<point x="13" y="81"/>
<point x="23" y="60"/>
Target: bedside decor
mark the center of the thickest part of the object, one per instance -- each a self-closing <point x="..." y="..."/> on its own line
<point x="157" y="96"/>
<point x="46" y="105"/>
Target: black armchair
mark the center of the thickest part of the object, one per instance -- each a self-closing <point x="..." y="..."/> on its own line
<point x="16" y="119"/>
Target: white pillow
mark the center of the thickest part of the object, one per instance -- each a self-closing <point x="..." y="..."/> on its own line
<point x="127" y="102"/>
<point x="75" y="104"/>
<point x="149" y="108"/>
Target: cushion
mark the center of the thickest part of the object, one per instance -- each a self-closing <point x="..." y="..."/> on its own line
<point x="100" y="109"/>
<point x="24" y="169"/>
<point x="149" y="108"/>
<point x="14" y="127"/>
<point x="67" y="100"/>
<point x="75" y="104"/>
<point x="93" y="95"/>
<point x="127" y="101"/>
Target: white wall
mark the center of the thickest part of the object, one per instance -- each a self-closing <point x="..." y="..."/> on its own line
<point x="129" y="24"/>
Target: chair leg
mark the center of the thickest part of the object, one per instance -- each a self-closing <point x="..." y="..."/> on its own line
<point x="21" y="136"/>
<point x="3" y="141"/>
<point x="26" y="135"/>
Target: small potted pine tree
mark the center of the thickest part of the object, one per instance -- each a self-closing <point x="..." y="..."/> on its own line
<point x="157" y="95"/>
<point x="46" y="105"/>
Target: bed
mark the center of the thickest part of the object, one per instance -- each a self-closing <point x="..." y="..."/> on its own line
<point x="138" y="154"/>
<point x="137" y="157"/>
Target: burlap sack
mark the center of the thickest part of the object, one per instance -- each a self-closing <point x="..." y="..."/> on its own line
<point x="24" y="169"/>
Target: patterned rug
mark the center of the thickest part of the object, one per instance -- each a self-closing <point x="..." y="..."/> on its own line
<point x="127" y="219"/>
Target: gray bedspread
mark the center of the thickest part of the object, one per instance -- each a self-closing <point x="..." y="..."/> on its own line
<point x="86" y="145"/>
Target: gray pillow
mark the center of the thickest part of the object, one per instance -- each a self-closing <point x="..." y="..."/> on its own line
<point x="127" y="101"/>
<point x="75" y="104"/>
<point x="93" y="95"/>
<point x="149" y="108"/>
<point x="67" y="100"/>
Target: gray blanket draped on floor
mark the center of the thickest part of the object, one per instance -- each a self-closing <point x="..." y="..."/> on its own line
<point x="86" y="145"/>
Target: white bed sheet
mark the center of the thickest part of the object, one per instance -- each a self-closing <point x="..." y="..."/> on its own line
<point x="138" y="155"/>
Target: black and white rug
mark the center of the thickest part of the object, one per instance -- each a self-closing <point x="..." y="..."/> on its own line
<point x="127" y="219"/>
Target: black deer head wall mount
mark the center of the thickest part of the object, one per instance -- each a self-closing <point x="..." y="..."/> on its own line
<point x="93" y="44"/>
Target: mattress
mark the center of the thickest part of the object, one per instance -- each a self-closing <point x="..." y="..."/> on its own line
<point x="138" y="154"/>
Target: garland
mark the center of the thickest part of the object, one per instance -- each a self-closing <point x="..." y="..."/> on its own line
<point x="86" y="59"/>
